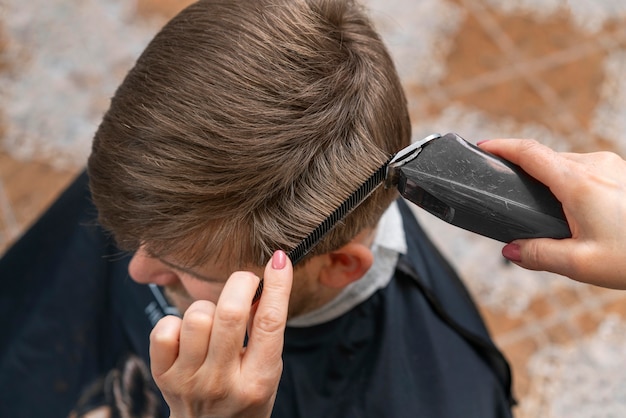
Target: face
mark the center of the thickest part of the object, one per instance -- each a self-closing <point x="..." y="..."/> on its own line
<point x="182" y="286"/>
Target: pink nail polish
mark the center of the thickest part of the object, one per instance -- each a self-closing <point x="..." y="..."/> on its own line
<point x="482" y="142"/>
<point x="512" y="252"/>
<point x="279" y="260"/>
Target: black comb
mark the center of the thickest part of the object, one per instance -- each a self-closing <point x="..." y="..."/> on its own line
<point x="354" y="200"/>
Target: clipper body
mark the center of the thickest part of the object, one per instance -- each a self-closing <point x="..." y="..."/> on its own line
<point x="474" y="190"/>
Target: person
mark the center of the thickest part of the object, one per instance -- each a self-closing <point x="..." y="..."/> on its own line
<point x="241" y="127"/>
<point x="592" y="189"/>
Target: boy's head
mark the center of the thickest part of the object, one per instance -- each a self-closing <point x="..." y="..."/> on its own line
<point x="243" y="125"/>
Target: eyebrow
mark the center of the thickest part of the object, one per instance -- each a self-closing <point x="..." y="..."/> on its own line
<point x="189" y="272"/>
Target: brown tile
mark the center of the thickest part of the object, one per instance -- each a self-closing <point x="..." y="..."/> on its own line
<point x="617" y="306"/>
<point x="518" y="355"/>
<point x="603" y="292"/>
<point x="474" y="53"/>
<point x="534" y="36"/>
<point x="542" y="307"/>
<point x="499" y="322"/>
<point x="563" y="332"/>
<point x="577" y="85"/>
<point x="8" y="229"/>
<point x="5" y="63"/>
<point x="31" y="186"/>
<point x="165" y="9"/>
<point x="566" y="296"/>
<point x="513" y="98"/>
<point x="587" y="322"/>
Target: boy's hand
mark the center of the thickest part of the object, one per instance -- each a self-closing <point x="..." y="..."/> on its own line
<point x="592" y="189"/>
<point x="199" y="362"/>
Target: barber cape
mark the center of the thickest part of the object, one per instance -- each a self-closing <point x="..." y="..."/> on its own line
<point x="405" y="341"/>
<point x="416" y="347"/>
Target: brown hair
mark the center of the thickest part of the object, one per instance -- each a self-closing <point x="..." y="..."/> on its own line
<point x="243" y="125"/>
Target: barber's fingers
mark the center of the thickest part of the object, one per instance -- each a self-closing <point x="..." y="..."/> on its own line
<point x="558" y="170"/>
<point x="538" y="160"/>
<point x="265" y="346"/>
<point x="231" y="317"/>
<point x="164" y="340"/>
<point x="584" y="261"/>
<point x="543" y="254"/>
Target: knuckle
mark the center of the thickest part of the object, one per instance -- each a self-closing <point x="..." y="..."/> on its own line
<point x="230" y="313"/>
<point x="217" y="392"/>
<point x="160" y="334"/>
<point x="201" y="306"/>
<point x="258" y="394"/>
<point x="533" y="256"/>
<point x="608" y="157"/>
<point x="270" y="320"/>
<point x="199" y="315"/>
<point x="158" y="337"/>
<point x="173" y="383"/>
<point x="261" y="389"/>
<point x="198" y="320"/>
<point x="528" y="146"/>
<point x="579" y="262"/>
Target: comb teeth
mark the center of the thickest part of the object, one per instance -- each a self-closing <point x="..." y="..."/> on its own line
<point x="355" y="199"/>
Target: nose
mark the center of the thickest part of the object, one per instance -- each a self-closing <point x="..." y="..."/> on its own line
<point x="145" y="269"/>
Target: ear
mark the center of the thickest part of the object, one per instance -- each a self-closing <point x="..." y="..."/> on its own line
<point x="346" y="265"/>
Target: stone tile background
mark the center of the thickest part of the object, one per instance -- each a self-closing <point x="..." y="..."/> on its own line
<point x="548" y="69"/>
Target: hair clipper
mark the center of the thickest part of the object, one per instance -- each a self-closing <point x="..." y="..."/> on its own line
<point x="474" y="190"/>
<point x="463" y="185"/>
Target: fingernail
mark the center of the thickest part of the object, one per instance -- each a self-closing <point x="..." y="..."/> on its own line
<point x="279" y="260"/>
<point x="482" y="142"/>
<point x="512" y="252"/>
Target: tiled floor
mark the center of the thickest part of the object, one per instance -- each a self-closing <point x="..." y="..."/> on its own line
<point x="482" y="68"/>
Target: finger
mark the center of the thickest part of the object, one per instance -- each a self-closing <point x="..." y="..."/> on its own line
<point x="230" y="320"/>
<point x="195" y="334"/>
<point x="164" y="344"/>
<point x="265" y="344"/>
<point x="538" y="160"/>
<point x="542" y="254"/>
<point x="529" y="154"/>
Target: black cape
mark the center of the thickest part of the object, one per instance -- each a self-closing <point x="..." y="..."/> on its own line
<point x="69" y="313"/>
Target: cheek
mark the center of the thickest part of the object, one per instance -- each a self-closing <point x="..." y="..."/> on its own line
<point x="199" y="290"/>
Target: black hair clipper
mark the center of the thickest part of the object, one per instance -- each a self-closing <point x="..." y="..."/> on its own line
<point x="463" y="185"/>
<point x="474" y="190"/>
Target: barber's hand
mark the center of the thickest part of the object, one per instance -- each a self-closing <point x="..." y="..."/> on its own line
<point x="592" y="189"/>
<point x="199" y="363"/>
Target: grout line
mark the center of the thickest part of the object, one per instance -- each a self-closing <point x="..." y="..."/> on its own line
<point x="508" y="47"/>
<point x="604" y="42"/>
<point x="535" y="65"/>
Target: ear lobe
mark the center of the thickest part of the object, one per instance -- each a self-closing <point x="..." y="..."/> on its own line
<point x="346" y="265"/>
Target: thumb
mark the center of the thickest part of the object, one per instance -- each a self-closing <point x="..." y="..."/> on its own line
<point x="544" y="254"/>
